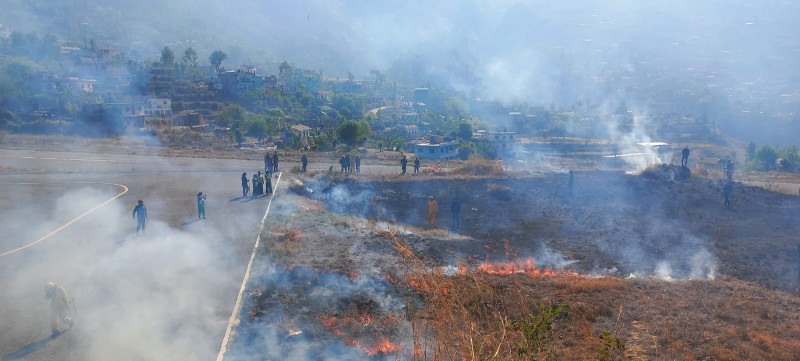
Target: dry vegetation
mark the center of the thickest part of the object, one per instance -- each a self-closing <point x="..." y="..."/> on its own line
<point x="469" y="312"/>
<point x="479" y="316"/>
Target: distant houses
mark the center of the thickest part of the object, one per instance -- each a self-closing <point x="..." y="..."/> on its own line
<point x="300" y="130"/>
<point x="161" y="107"/>
<point x="502" y="143"/>
<point x="237" y="82"/>
<point x="302" y="79"/>
<point x="436" y="148"/>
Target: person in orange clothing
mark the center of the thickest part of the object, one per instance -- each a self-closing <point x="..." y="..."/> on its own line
<point x="433" y="208"/>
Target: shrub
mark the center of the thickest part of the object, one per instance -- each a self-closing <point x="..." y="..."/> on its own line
<point x="479" y="167"/>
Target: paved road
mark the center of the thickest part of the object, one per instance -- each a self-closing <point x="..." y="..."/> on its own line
<point x="783" y="187"/>
<point x="165" y="295"/>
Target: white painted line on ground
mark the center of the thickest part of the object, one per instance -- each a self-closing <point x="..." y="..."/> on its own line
<point x="237" y="306"/>
<point x="79" y="159"/>
<point x="65" y="225"/>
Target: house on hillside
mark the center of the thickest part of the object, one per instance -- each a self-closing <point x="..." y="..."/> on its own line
<point x="161" y="107"/>
<point x="301" y="130"/>
<point x="503" y="143"/>
<point x="190" y="119"/>
<point x="411" y="131"/>
<point x="132" y="114"/>
<point x="302" y="79"/>
<point x="347" y="87"/>
<point x="236" y="82"/>
<point x="437" y="147"/>
<point x="84" y="85"/>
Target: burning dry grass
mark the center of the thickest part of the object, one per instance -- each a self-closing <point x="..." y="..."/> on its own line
<point x="510" y="311"/>
<point x="363" y="325"/>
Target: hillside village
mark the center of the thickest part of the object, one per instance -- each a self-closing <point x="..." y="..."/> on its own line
<point x="66" y="87"/>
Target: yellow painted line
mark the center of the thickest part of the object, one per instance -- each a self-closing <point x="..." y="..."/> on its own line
<point x="65" y="225"/>
<point x="238" y="305"/>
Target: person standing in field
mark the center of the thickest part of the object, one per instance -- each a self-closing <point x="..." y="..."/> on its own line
<point x="140" y="215"/>
<point x="455" y="214"/>
<point x="254" y="192"/>
<point x="416" y="165"/>
<point x="726" y="192"/>
<point x="245" y="186"/>
<point x="304" y="162"/>
<point x="403" y="164"/>
<point x="685" y="156"/>
<point x="201" y="205"/>
<point x="433" y="208"/>
<point x="267" y="162"/>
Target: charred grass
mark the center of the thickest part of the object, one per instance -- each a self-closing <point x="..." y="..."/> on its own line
<point x="471" y="315"/>
<point x="477" y="316"/>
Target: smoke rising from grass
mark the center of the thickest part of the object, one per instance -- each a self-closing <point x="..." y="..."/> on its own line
<point x="154" y="296"/>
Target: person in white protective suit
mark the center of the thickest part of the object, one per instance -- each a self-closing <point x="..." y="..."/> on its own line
<point x="60" y="305"/>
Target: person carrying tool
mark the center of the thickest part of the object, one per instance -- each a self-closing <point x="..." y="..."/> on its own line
<point x="60" y="305"/>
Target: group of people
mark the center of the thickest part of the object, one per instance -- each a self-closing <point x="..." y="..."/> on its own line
<point x="350" y="165"/>
<point x="727" y="168"/>
<point x="261" y="185"/>
<point x="404" y="164"/>
<point x="271" y="163"/>
<point x="140" y="212"/>
<point x="455" y="213"/>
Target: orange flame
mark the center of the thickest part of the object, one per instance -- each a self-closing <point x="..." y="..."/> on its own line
<point x="383" y="347"/>
<point x="526" y="266"/>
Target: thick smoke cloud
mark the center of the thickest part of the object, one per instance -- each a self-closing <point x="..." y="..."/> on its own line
<point x="149" y="297"/>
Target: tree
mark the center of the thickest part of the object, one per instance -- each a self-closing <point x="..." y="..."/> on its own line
<point x="190" y="57"/>
<point x="350" y="106"/>
<point x="377" y="75"/>
<point x="284" y="69"/>
<point x="232" y="113"/>
<point x="167" y="57"/>
<point x="751" y="151"/>
<point x="353" y="132"/>
<point x="787" y="158"/>
<point x="765" y="158"/>
<point x="238" y="136"/>
<point x="464" y="131"/>
<point x="216" y="58"/>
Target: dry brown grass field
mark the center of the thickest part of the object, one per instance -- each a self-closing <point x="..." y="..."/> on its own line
<point x="729" y="293"/>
